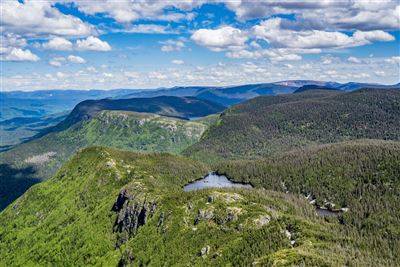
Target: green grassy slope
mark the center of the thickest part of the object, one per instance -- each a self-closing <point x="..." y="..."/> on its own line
<point x="108" y="207"/>
<point x="269" y="125"/>
<point x="42" y="157"/>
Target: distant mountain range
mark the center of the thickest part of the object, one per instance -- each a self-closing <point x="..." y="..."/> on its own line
<point x="46" y="102"/>
<point x="231" y="95"/>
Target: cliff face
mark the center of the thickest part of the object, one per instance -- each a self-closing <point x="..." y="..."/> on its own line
<point x="133" y="211"/>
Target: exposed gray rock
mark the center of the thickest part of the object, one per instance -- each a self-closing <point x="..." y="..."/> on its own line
<point x="205" y="251"/>
<point x="126" y="259"/>
<point x="133" y="212"/>
<point x="204" y="215"/>
<point x="161" y="219"/>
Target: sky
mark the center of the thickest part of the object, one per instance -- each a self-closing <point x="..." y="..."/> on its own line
<point x="110" y="44"/>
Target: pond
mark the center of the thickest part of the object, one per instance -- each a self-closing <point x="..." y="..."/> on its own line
<point x="328" y="213"/>
<point x="213" y="180"/>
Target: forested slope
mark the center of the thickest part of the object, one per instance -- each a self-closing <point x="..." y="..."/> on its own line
<point x="266" y="126"/>
<point x="108" y="207"/>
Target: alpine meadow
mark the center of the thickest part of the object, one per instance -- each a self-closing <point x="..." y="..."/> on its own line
<point x="200" y="133"/>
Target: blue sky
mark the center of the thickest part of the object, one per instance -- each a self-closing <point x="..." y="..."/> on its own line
<point x="150" y="44"/>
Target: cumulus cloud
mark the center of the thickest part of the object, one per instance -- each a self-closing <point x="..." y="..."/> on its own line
<point x="225" y="74"/>
<point x="56" y="61"/>
<point x="354" y="60"/>
<point x="76" y="59"/>
<point x="38" y="18"/>
<point x="18" y="54"/>
<point x="58" y="43"/>
<point x="274" y="54"/>
<point x="59" y="61"/>
<point x="147" y="28"/>
<point x="12" y="49"/>
<point x="393" y="60"/>
<point x="339" y="15"/>
<point x="172" y="45"/>
<point x="178" y="62"/>
<point x="92" y="43"/>
<point x="127" y="11"/>
<point x="223" y="38"/>
<point x="279" y="32"/>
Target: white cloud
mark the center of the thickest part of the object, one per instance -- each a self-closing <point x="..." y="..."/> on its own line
<point x="172" y="45"/>
<point x="76" y="59"/>
<point x="393" y="60"/>
<point x="59" y="61"/>
<point x="147" y="28"/>
<point x="131" y="74"/>
<point x="280" y="32"/>
<point x="93" y="44"/>
<point x="18" y="54"/>
<point x="108" y="75"/>
<point x="58" y="43"/>
<point x="12" y="40"/>
<point x="178" y="62"/>
<point x="127" y="11"/>
<point x="354" y="60"/>
<point x="274" y="54"/>
<point x="336" y="15"/>
<point x="223" y="38"/>
<point x="37" y="18"/>
<point x="224" y="74"/>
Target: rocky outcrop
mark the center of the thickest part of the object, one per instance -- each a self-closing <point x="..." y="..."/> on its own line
<point x="230" y="214"/>
<point x="204" y="215"/>
<point x="126" y="259"/>
<point x="133" y="212"/>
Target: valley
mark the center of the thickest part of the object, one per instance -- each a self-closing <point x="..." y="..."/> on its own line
<point x="313" y="181"/>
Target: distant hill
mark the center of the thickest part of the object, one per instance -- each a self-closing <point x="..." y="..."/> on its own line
<point x="313" y="87"/>
<point x="230" y="95"/>
<point x="48" y="102"/>
<point x="355" y="86"/>
<point x="223" y="95"/>
<point x="268" y="125"/>
<point x="19" y="129"/>
<point x="117" y="208"/>
<point x="39" y="159"/>
<point x="171" y="106"/>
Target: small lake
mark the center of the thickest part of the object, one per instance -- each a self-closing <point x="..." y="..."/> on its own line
<point x="213" y="180"/>
<point x="328" y="213"/>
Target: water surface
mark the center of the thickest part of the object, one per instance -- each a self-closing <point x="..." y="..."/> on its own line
<point x="213" y="180"/>
<point x="328" y="213"/>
